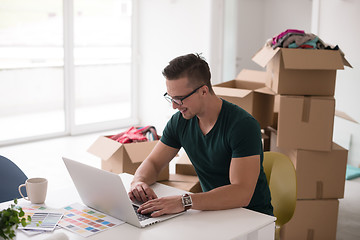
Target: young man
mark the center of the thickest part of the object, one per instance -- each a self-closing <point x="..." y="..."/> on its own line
<point x="222" y="140"/>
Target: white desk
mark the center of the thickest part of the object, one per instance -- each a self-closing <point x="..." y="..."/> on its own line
<point x="237" y="223"/>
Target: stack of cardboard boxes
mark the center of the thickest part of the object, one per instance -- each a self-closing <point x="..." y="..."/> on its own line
<point x="305" y="83"/>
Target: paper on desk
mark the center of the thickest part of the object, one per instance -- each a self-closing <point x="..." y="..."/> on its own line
<point x="40" y="213"/>
<point x="86" y="221"/>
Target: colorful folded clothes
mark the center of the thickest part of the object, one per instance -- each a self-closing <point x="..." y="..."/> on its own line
<point x="136" y="134"/>
<point x="293" y="38"/>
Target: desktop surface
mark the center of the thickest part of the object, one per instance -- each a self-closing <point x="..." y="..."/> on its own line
<point x="239" y="223"/>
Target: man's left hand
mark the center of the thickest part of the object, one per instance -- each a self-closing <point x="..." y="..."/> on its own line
<point x="161" y="206"/>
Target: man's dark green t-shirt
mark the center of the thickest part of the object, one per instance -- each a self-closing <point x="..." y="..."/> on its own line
<point x="235" y="134"/>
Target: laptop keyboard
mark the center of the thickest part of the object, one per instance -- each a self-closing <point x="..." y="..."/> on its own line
<point x="140" y="216"/>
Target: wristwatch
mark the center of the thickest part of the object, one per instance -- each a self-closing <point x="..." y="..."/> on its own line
<point x="186" y="201"/>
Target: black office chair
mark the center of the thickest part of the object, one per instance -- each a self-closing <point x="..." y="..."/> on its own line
<point x="11" y="176"/>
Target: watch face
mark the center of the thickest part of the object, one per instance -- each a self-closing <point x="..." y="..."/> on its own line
<point x="187" y="201"/>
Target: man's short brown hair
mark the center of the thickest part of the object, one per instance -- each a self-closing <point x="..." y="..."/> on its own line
<point x="192" y="66"/>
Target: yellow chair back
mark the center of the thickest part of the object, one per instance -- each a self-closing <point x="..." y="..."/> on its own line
<point x="281" y="177"/>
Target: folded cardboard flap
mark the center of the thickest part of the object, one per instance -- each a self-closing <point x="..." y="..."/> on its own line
<point x="265" y="90"/>
<point x="345" y="116"/>
<point x="345" y="62"/>
<point x="242" y="88"/>
<point x="133" y="150"/>
<point x="264" y="55"/>
<point x="231" y="92"/>
<point x="252" y="76"/>
<point x="104" y="147"/>
<point x="242" y="84"/>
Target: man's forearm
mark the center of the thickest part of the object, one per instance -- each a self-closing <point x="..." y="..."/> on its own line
<point x="146" y="172"/>
<point x="225" y="197"/>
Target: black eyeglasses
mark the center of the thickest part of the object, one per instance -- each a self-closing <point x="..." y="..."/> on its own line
<point x="180" y="101"/>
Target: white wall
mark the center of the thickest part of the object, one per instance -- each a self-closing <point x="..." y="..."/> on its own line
<point x="338" y="24"/>
<point x="168" y="28"/>
<point x="260" y="20"/>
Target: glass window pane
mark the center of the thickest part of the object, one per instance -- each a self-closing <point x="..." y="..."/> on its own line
<point x="102" y="39"/>
<point x="31" y="68"/>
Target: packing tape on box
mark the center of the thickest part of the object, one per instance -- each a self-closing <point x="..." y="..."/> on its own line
<point x="319" y="189"/>
<point x="310" y="234"/>
<point x="306" y="109"/>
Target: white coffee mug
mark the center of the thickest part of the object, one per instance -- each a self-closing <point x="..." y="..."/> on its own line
<point x="36" y="189"/>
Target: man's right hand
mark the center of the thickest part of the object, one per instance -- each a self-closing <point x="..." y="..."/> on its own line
<point x="141" y="192"/>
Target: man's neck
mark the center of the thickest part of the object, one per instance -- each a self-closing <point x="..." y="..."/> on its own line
<point x="208" y="118"/>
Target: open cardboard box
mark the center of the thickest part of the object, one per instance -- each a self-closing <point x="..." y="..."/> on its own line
<point x="249" y="92"/>
<point x="306" y="122"/>
<point x="312" y="220"/>
<point x="118" y="158"/>
<point x="184" y="182"/>
<point x="184" y="166"/>
<point x="319" y="174"/>
<point x="301" y="71"/>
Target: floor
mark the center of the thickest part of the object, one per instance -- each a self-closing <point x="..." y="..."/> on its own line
<point x="348" y="227"/>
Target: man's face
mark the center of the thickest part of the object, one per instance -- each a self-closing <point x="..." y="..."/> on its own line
<point x="177" y="89"/>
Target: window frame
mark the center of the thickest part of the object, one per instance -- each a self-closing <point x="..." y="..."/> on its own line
<point x="69" y="83"/>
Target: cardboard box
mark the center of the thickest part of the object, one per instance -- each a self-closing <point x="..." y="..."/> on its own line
<point x="319" y="174"/>
<point x="184" y="182"/>
<point x="275" y="120"/>
<point x="184" y="166"/>
<point x="249" y="75"/>
<point x="312" y="220"/>
<point x="301" y="71"/>
<point x="251" y="95"/>
<point x="306" y="122"/>
<point x="265" y="138"/>
<point x="118" y="158"/>
<point x="277" y="103"/>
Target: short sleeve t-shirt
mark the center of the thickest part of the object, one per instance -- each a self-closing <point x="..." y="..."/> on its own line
<point x="235" y="134"/>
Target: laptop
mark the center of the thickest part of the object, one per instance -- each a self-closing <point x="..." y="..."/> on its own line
<point x="104" y="191"/>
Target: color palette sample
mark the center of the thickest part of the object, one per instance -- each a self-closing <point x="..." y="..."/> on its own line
<point x="86" y="221"/>
<point x="49" y="218"/>
<point x="43" y="221"/>
<point x="33" y="208"/>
